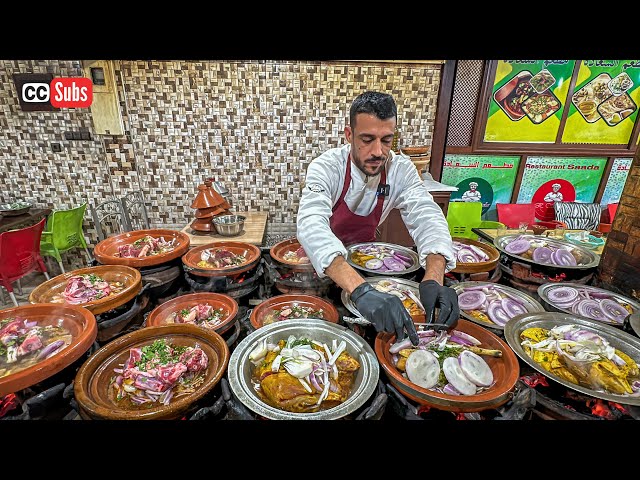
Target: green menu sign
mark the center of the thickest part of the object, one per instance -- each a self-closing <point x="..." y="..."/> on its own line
<point x="528" y="99"/>
<point x="604" y="104"/>
<point x="480" y="178"/>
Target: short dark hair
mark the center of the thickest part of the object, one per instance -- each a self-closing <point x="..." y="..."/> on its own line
<point x="382" y="105"/>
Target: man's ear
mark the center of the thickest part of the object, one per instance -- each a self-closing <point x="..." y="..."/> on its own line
<point x="348" y="133"/>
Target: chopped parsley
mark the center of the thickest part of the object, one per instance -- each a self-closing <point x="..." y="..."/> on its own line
<point x="184" y="312"/>
<point x="159" y="353"/>
<point x="4" y="322"/>
<point x="301" y="341"/>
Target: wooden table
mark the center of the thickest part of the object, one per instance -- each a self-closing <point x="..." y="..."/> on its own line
<point x="255" y="226"/>
<point x="33" y="216"/>
<point x="490" y="233"/>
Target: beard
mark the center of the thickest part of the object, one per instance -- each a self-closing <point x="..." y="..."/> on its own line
<point x="370" y="166"/>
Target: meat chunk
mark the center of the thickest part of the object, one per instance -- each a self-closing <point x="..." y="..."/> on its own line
<point x="287" y="393"/>
<point x="195" y="359"/>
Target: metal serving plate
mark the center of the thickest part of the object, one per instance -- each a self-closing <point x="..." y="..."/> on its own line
<point x="14" y="209"/>
<point x="346" y="298"/>
<point x="240" y="367"/>
<point x="398" y="248"/>
<point x="588" y="258"/>
<point x="617" y="338"/>
<point x="543" y="291"/>
<point x="531" y="304"/>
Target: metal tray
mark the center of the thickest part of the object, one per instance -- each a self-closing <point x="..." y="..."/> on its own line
<point x="543" y="292"/>
<point x="531" y="304"/>
<point x="617" y="338"/>
<point x="19" y="208"/>
<point x="398" y="248"/>
<point x="590" y="259"/>
<point x="346" y="299"/>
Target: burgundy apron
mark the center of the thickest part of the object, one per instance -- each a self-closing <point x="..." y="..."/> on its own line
<point x="349" y="227"/>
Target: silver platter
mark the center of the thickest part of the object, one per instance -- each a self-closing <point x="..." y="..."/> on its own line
<point x="240" y="367"/>
<point x="588" y="258"/>
<point x="398" y="248"/>
<point x="529" y="302"/>
<point x="346" y="298"/>
<point x="543" y="291"/>
<point x="616" y="337"/>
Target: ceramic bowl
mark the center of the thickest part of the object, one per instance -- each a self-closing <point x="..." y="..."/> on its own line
<point x="192" y="257"/>
<point x="130" y="277"/>
<point x="330" y="314"/>
<point x="280" y="249"/>
<point x="96" y="399"/>
<point x="162" y="314"/>
<point x="106" y="249"/>
<point x="505" y="369"/>
<point x="80" y="323"/>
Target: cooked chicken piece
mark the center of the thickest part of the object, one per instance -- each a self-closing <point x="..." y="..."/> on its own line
<point x="287" y="393"/>
<point x="347" y="363"/>
<point x="607" y="375"/>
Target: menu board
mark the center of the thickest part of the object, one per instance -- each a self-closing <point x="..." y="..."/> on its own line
<point x="604" y="104"/>
<point x="480" y="178"/>
<point x="527" y="100"/>
<point x="560" y="179"/>
<point x="615" y="182"/>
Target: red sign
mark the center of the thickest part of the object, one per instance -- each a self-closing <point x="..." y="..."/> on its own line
<point x="71" y="92"/>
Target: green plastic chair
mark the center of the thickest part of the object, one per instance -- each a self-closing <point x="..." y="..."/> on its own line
<point x="463" y="216"/>
<point x="64" y="232"/>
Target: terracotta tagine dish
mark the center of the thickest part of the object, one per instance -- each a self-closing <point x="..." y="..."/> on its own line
<point x="142" y="248"/>
<point x="292" y="307"/>
<point x="212" y="311"/>
<point x="475" y="380"/>
<point x="208" y="203"/>
<point x="181" y="364"/>
<point x="66" y="332"/>
<point x="221" y="259"/>
<point x="98" y="289"/>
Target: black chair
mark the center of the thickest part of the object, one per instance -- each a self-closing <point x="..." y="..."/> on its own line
<point x="135" y="211"/>
<point x="109" y="219"/>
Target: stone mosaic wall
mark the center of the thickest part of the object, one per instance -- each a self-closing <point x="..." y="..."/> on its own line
<point x="254" y="126"/>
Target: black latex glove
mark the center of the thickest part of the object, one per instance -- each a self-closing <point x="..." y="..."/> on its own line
<point x="433" y="295"/>
<point x="386" y="312"/>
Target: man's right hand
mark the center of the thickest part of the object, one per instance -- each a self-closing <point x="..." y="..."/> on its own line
<point x="386" y="312"/>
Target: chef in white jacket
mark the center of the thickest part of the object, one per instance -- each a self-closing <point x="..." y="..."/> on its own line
<point x="349" y="191"/>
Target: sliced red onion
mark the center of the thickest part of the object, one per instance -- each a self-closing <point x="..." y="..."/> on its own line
<point x="512" y="308"/>
<point x="471" y="300"/>
<point x="50" y="349"/>
<point x="497" y="314"/>
<point x="613" y="310"/>
<point x="393" y="264"/>
<point x="466" y="336"/>
<point x="373" y="264"/>
<point x="459" y="340"/>
<point x="562" y="294"/>
<point x="563" y="257"/>
<point x="466" y="256"/>
<point x="590" y="309"/>
<point x="517" y="247"/>
<point x="396" y="347"/>
<point x="450" y="390"/>
<point x="542" y="255"/>
<point x="479" y="252"/>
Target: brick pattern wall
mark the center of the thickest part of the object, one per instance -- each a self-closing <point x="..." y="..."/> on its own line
<point x="620" y="262"/>
<point x="255" y="126"/>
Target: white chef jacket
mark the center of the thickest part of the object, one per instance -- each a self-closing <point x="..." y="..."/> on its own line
<point x="325" y="179"/>
<point x="553" y="197"/>
<point x="470" y="196"/>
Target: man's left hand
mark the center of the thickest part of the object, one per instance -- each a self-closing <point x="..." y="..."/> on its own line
<point x="433" y="295"/>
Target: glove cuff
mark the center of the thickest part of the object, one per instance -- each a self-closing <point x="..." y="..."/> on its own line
<point x="430" y="282"/>
<point x="360" y="290"/>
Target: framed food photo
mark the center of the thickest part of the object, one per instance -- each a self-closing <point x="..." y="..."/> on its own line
<point x="527" y="100"/>
<point x="560" y="179"/>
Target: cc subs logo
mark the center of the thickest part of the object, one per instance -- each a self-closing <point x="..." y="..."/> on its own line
<point x="35" y="92"/>
<point x="61" y="92"/>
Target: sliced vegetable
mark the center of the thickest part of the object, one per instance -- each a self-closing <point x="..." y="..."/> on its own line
<point x="542" y="255"/>
<point x="475" y="368"/>
<point x="471" y="300"/>
<point x="373" y="264"/>
<point x="562" y="294"/>
<point x="455" y="376"/>
<point x="518" y="246"/>
<point x="563" y="257"/>
<point x="393" y="264"/>
<point x="511" y="307"/>
<point x="497" y="314"/>
<point x="590" y="309"/>
<point x="422" y="368"/>
<point x="613" y="310"/>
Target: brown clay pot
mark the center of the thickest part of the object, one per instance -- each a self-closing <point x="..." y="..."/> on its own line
<point x="79" y="321"/>
<point x="475" y="267"/>
<point x="95" y="397"/>
<point x="330" y="313"/>
<point x="280" y="249"/>
<point x="106" y="249"/>
<point x="130" y="277"/>
<point x="162" y="313"/>
<point x="192" y="257"/>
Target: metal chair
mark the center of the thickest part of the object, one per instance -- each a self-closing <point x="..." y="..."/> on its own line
<point x="64" y="232"/>
<point x="134" y="211"/>
<point x="108" y="218"/>
<point x="20" y="255"/>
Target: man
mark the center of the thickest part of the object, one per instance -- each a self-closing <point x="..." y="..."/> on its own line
<point x="555" y="195"/>
<point x="349" y="191"/>
<point x="472" y="195"/>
